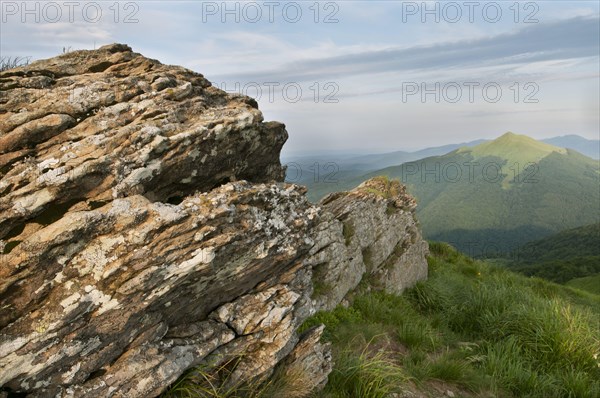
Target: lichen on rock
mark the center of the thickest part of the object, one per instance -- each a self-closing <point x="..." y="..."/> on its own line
<point x="146" y="229"/>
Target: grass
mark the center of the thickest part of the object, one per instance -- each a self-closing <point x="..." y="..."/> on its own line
<point x="384" y="187"/>
<point x="399" y="249"/>
<point x="588" y="283"/>
<point x="366" y="373"/>
<point x="202" y="383"/>
<point x="7" y="63"/>
<point x="320" y="287"/>
<point x="474" y="328"/>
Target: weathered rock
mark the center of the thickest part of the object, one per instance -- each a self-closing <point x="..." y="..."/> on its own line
<point x="97" y="280"/>
<point x="145" y="229"/>
<point x="370" y="232"/>
<point x="131" y="126"/>
<point x="310" y="361"/>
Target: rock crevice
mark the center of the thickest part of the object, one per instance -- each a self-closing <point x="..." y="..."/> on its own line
<point x="145" y="229"/>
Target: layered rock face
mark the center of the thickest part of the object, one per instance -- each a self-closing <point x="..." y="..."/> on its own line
<point x="367" y="234"/>
<point x="145" y="229"/>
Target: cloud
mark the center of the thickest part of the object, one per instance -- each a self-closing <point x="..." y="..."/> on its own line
<point x="566" y="39"/>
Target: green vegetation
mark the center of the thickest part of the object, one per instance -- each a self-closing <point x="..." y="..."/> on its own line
<point x="320" y="287"/>
<point x="507" y="197"/>
<point x="7" y="63"/>
<point x="588" y="283"/>
<point x="398" y="251"/>
<point x="570" y="254"/>
<point x="388" y="188"/>
<point x="348" y="232"/>
<point x="561" y="271"/>
<point x="514" y="149"/>
<point x="472" y="328"/>
<point x="490" y="199"/>
<point x="199" y="383"/>
<point x="565" y="245"/>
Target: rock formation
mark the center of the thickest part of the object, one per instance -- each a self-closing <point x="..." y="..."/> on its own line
<point x="145" y="229"/>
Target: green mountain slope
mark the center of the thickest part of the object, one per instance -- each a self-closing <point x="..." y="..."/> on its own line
<point x="501" y="194"/>
<point x="589" y="283"/>
<point x="342" y="172"/>
<point x="514" y="149"/>
<point x="570" y="254"/>
<point x="565" y="245"/>
<point x="326" y="173"/>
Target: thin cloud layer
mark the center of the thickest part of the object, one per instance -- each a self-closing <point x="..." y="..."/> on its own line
<point x="567" y="39"/>
<point x="366" y="60"/>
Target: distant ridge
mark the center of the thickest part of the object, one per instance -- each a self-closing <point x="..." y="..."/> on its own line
<point x="340" y="172"/>
<point x="531" y="189"/>
<point x="582" y="145"/>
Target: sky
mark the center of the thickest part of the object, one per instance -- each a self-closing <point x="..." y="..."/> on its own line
<point x="357" y="76"/>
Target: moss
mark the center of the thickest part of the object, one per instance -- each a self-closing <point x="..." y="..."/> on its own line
<point x="395" y="255"/>
<point x="368" y="258"/>
<point x="369" y="282"/>
<point x="320" y="287"/>
<point x="390" y="209"/>
<point x="348" y="231"/>
<point x="375" y="192"/>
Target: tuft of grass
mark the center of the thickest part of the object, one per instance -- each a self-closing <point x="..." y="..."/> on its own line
<point x="368" y="259"/>
<point x="367" y="373"/>
<point x="202" y="383"/>
<point x="7" y="63"/>
<point x="480" y="328"/>
<point x="320" y="288"/>
<point x="393" y="258"/>
<point x="384" y="187"/>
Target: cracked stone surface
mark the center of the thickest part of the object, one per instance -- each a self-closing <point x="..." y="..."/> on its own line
<point x="368" y="233"/>
<point x="145" y="229"/>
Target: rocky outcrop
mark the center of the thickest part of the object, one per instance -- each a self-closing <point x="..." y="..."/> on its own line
<point x="92" y="126"/>
<point x="367" y="234"/>
<point x="145" y="229"/>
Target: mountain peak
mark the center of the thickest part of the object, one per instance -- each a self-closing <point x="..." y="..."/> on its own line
<point x="509" y="136"/>
<point x="516" y="148"/>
